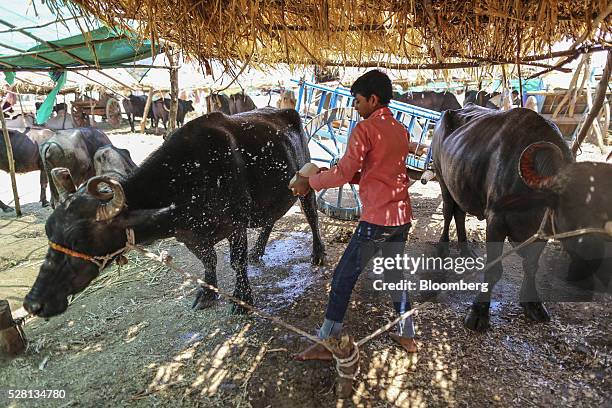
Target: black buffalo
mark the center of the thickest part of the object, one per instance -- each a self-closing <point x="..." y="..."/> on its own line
<point x="214" y="178"/>
<point x="507" y="168"/>
<point x="134" y="106"/>
<point x="437" y="101"/>
<point x="241" y="102"/>
<point x="114" y="162"/>
<point x="184" y="107"/>
<point x="26" y="157"/>
<point x="485" y="99"/>
<point x="58" y="107"/>
<point x="230" y="105"/>
<point x="217" y="102"/>
<point x="160" y="110"/>
<point x="73" y="149"/>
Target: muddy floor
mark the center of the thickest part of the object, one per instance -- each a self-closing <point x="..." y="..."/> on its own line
<point x="132" y="338"/>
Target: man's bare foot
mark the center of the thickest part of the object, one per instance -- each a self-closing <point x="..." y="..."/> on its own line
<point x="408" y="343"/>
<point x="314" y="352"/>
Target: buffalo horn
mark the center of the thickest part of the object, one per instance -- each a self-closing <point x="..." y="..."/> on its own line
<point x="109" y="210"/>
<point x="62" y="180"/>
<point x="527" y="168"/>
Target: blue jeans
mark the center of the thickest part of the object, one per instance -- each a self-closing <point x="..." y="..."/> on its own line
<point x="367" y="241"/>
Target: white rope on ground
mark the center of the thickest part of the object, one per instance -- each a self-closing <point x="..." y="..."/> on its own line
<point x="166" y="260"/>
<point x="538" y="235"/>
<point x="348" y="363"/>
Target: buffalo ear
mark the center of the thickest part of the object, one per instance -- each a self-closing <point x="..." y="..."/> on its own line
<point x="522" y="202"/>
<point x="528" y="170"/>
<point x="62" y="179"/>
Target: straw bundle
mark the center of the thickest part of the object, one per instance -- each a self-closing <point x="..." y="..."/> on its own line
<point x="359" y="32"/>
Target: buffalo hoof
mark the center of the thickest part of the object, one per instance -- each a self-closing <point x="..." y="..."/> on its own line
<point x="7" y="209"/>
<point x="467" y="252"/>
<point x="44" y="203"/>
<point x="535" y="311"/>
<point x="204" y="299"/>
<point x="443" y="249"/>
<point x="240" y="310"/>
<point x="318" y="258"/>
<point x="477" y="318"/>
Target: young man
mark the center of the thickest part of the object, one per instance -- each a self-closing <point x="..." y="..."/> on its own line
<point x="376" y="157"/>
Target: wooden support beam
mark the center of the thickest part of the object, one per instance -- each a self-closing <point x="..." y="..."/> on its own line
<point x="173" y="92"/>
<point x="600" y="95"/>
<point x="518" y="66"/>
<point x="12" y="338"/>
<point x="432" y="26"/>
<point x="11" y="163"/>
<point x="145" y="114"/>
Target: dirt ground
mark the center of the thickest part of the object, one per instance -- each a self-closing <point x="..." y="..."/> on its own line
<point x="132" y="338"/>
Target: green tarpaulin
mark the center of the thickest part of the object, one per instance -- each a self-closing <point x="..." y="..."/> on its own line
<point x="9" y="77"/>
<point x="55" y="39"/>
<point x="46" y="109"/>
<point x="109" y="47"/>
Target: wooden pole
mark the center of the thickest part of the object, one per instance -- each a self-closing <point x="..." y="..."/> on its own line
<point x="347" y="370"/>
<point x="595" y="129"/>
<point x="21" y="104"/>
<point x="518" y="66"/>
<point x="606" y="122"/>
<point x="572" y="85"/>
<point x="173" y="91"/>
<point x="600" y="95"/>
<point x="11" y="163"/>
<point x="143" y="122"/>
<point x="12" y="338"/>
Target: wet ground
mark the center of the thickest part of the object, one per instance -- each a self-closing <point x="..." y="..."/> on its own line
<point x="132" y="339"/>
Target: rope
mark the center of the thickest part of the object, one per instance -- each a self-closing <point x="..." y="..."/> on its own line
<point x="348" y="362"/>
<point x="166" y="260"/>
<point x="353" y="359"/>
<point x="100" y="260"/>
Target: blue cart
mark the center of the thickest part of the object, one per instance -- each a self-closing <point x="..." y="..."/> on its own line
<point x="329" y="118"/>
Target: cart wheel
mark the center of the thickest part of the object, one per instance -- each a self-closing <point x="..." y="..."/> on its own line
<point x="77" y="116"/>
<point x="113" y="112"/>
<point x="328" y="134"/>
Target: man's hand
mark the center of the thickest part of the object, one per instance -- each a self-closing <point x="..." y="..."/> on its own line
<point x="300" y="186"/>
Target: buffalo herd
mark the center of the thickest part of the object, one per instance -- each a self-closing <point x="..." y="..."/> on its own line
<point x="224" y="172"/>
<point x="85" y="152"/>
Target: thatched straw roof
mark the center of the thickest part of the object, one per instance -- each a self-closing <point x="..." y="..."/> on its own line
<point x="362" y="32"/>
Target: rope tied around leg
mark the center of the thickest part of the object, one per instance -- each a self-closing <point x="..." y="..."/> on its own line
<point x="348" y="364"/>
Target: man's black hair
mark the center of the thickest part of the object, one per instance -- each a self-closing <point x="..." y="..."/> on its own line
<point x="374" y="82"/>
